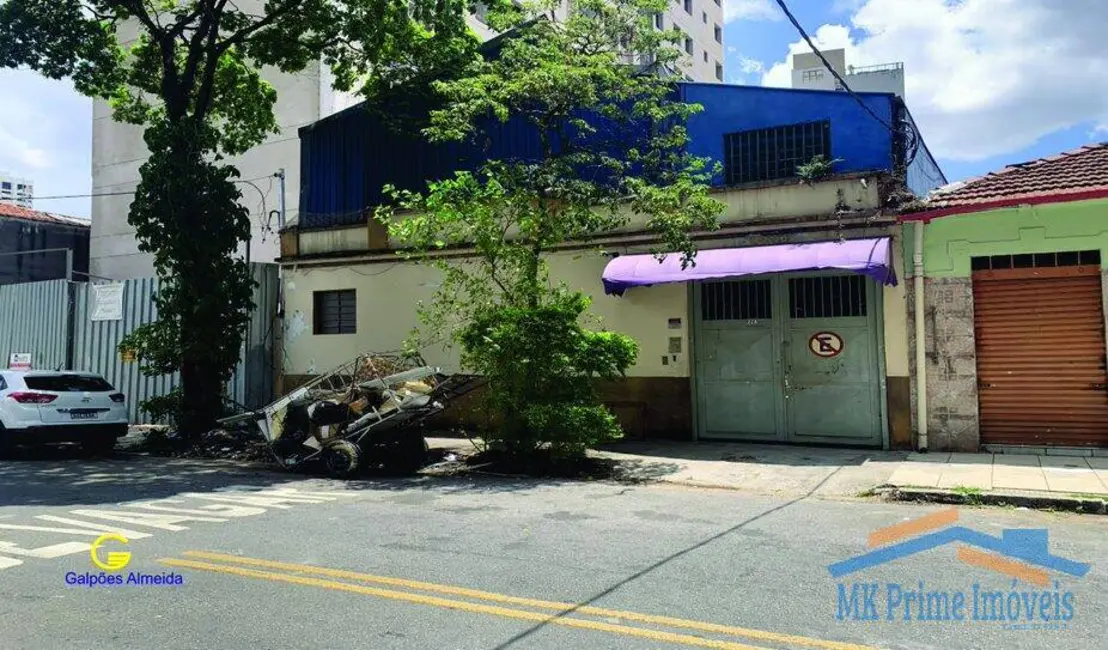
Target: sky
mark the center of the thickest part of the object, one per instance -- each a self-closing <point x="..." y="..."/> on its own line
<point x="989" y="82"/>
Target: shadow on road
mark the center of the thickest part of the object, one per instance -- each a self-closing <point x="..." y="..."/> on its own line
<point x="62" y="476"/>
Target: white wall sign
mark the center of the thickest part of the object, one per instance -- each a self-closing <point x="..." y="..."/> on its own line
<point x="19" y="361"/>
<point x="107" y="301"/>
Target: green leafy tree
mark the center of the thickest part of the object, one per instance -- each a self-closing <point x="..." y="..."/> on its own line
<point x="187" y="71"/>
<point x="596" y="87"/>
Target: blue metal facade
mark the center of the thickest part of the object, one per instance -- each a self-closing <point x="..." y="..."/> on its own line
<point x="347" y="158"/>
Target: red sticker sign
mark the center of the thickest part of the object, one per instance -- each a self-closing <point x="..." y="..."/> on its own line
<point x="825" y="344"/>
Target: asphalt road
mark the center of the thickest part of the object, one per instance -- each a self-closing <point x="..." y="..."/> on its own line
<point x="271" y="560"/>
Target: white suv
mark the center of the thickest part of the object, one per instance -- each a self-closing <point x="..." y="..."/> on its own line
<point x="41" y="406"/>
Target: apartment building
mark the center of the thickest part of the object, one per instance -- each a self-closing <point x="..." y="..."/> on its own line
<point x="810" y="72"/>
<point x="118" y="150"/>
<point x="16" y="191"/>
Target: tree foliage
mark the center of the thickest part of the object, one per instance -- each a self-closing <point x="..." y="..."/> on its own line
<point x="187" y="71"/>
<point x="595" y="89"/>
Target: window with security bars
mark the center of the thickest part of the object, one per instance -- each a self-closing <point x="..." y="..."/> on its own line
<point x="741" y="300"/>
<point x="1035" y="260"/>
<point x="773" y="153"/>
<point x="336" y="312"/>
<point x="828" y="297"/>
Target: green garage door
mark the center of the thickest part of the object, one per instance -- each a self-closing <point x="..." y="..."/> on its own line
<point x="789" y="358"/>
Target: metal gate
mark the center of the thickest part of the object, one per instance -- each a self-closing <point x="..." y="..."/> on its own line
<point x="1041" y="371"/>
<point x="789" y="358"/>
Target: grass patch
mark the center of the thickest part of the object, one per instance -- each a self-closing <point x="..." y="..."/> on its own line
<point x="972" y="495"/>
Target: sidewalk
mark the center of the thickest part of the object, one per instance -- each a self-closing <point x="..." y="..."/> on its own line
<point x="777" y="470"/>
<point x="780" y="470"/>
<point x="1055" y="475"/>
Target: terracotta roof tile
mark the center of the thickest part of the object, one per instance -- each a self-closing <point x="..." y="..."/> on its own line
<point x="18" y="212"/>
<point x="1079" y="171"/>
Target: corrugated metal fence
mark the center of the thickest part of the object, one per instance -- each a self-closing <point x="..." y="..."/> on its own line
<point x="36" y="318"/>
<point x="33" y="318"/>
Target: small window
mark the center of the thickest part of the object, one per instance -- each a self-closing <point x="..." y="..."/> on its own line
<point x="19" y="186"/>
<point x="688" y="7"/>
<point x="688" y="45"/>
<point x="704" y="17"/>
<point x="1035" y="260"/>
<point x="659" y="21"/>
<point x="719" y="34"/>
<point x="336" y="312"/>
<point x="737" y="300"/>
<point x="6" y="185"/>
<point x="705" y="56"/>
<point x="719" y="71"/>
<point x="841" y="296"/>
<point x="773" y="153"/>
<point x="718" y="3"/>
<point x="3" y="384"/>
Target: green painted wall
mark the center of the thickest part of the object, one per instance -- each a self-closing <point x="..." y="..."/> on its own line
<point x="950" y="242"/>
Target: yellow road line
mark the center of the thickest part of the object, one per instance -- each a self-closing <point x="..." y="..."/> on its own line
<point x="493" y="610"/>
<point x="667" y="621"/>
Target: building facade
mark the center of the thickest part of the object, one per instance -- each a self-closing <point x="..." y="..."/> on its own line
<point x="799" y="335"/>
<point x="118" y="150"/>
<point x="16" y="191"/>
<point x="810" y="72"/>
<point x="1013" y="309"/>
<point x="34" y="245"/>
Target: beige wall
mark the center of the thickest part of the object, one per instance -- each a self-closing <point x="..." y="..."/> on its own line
<point x="388" y="295"/>
<point x="896" y="317"/>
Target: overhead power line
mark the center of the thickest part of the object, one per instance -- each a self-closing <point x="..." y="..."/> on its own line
<point x="98" y="194"/>
<point x="834" y="72"/>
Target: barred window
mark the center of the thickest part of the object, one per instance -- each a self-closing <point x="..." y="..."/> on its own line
<point x="336" y="312"/>
<point x="774" y="153"/>
<point x="842" y="296"/>
<point x="736" y="300"/>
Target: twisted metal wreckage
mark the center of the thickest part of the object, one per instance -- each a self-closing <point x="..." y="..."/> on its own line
<point x="368" y="410"/>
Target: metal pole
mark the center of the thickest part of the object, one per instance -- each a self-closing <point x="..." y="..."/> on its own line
<point x="921" y="333"/>
<point x="69" y="265"/>
<point x="281" y="199"/>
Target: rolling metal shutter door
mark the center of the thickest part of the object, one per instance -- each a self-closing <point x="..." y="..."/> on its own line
<point x="1040" y="356"/>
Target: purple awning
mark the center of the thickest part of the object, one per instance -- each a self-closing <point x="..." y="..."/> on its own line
<point x="870" y="257"/>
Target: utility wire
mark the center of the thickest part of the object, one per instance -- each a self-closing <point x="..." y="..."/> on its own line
<point x="96" y="194"/>
<point x="832" y="70"/>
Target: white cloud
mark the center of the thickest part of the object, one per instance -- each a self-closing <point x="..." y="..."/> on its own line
<point x="751" y="66"/>
<point x="45" y="136"/>
<point x="983" y="77"/>
<point x="750" y="10"/>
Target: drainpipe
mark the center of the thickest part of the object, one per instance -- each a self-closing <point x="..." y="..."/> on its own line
<point x="921" y="332"/>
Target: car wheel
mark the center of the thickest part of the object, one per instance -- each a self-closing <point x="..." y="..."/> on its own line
<point x="341" y="458"/>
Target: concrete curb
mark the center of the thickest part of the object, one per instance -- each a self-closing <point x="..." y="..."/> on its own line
<point x="1023" y="499"/>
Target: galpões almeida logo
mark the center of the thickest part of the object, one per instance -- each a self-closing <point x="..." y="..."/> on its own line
<point x="109" y="554"/>
<point x="111" y="560"/>
<point x="1034" y="599"/>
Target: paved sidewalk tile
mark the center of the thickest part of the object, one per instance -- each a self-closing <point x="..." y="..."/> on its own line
<point x="916" y="474"/>
<point x="971" y="459"/>
<point x="975" y="475"/>
<point x="1016" y="460"/>
<point x="1015" y="477"/>
<point x="1064" y="462"/>
<point x="1074" y="481"/>
<point x="933" y="457"/>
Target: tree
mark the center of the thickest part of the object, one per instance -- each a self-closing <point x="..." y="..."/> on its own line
<point x="596" y="90"/>
<point x="188" y="72"/>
